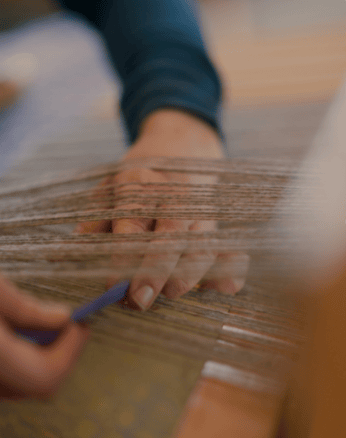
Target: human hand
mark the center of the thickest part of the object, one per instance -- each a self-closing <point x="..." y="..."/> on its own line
<point x="28" y="370"/>
<point x="170" y="133"/>
<point x="8" y="93"/>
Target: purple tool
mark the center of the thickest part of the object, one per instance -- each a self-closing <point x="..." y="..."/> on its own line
<point x="113" y="295"/>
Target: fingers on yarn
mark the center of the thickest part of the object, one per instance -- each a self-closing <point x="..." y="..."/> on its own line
<point x="158" y="263"/>
<point x="228" y="274"/>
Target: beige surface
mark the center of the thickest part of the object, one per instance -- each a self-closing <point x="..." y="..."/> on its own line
<point x="308" y="65"/>
<point x="220" y="410"/>
<point x="264" y="63"/>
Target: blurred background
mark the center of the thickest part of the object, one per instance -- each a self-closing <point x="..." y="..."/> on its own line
<point x="275" y="51"/>
<point x="281" y="62"/>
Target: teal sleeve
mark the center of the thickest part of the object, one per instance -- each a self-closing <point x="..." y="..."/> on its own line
<point x="158" y="50"/>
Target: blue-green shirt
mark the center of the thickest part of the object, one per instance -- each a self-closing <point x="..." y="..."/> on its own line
<point x="159" y="53"/>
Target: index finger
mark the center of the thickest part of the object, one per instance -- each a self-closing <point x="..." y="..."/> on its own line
<point x="23" y="309"/>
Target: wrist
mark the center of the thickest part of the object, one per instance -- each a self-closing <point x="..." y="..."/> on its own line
<point x="175" y="120"/>
<point x="175" y="132"/>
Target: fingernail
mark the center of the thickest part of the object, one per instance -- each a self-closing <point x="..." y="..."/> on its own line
<point x="143" y="297"/>
<point x="239" y="284"/>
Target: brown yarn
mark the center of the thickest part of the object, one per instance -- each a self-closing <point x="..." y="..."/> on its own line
<point x="242" y="199"/>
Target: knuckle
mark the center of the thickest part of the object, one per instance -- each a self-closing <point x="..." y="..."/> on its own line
<point x="182" y="286"/>
<point x="133" y="226"/>
<point x="206" y="255"/>
<point x="178" y="287"/>
<point x="199" y="259"/>
<point x="139" y="225"/>
<point x="203" y="226"/>
<point x="168" y="225"/>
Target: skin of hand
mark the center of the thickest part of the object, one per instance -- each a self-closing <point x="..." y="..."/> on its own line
<point x="9" y="92"/>
<point x="28" y="370"/>
<point x="170" y="133"/>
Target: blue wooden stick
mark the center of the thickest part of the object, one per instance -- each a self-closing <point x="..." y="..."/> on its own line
<point x="113" y="295"/>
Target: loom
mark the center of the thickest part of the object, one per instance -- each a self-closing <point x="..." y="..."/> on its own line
<point x="139" y="368"/>
<point x="254" y="333"/>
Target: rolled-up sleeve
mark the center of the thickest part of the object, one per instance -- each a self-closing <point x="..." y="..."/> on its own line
<point x="159" y="53"/>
